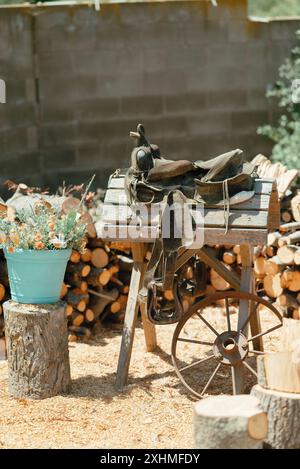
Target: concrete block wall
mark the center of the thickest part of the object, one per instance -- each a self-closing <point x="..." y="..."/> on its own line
<point x="78" y="80"/>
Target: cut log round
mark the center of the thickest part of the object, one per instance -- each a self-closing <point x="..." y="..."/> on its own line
<point x="2" y="291"/>
<point x="273" y="238"/>
<point x="89" y="315"/>
<point x="286" y="216"/>
<point x="98" y="277"/>
<point x="272" y="285"/>
<point x="77" y="318"/>
<point x="64" y="290"/>
<point x="273" y="266"/>
<point x="297" y="257"/>
<point x="229" y="422"/>
<point x="283" y="411"/>
<point x="259" y="267"/>
<point x="86" y="256"/>
<point x="280" y="371"/>
<point x="99" y="258"/>
<point x="295" y="207"/>
<point x="288" y="301"/>
<point x="287" y="253"/>
<point x="290" y="279"/>
<point x="80" y="269"/>
<point x="229" y="257"/>
<point x="37" y="349"/>
<point x="218" y="282"/>
<point x="75" y="257"/>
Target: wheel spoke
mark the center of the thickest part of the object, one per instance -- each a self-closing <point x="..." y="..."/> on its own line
<point x="233" y="380"/>
<point x="187" y="367"/>
<point x="257" y="352"/>
<point x="208" y="325"/>
<point x="249" y="317"/>
<point x="264" y="333"/>
<point x="210" y="379"/>
<point x="227" y="314"/>
<point x="250" y="368"/>
<point x="193" y="341"/>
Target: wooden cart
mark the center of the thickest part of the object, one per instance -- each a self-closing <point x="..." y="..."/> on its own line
<point x="249" y="224"/>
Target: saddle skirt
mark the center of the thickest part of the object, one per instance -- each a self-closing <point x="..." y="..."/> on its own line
<point x="224" y="181"/>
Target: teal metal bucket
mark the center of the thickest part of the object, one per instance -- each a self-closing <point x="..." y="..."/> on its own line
<point x="36" y="276"/>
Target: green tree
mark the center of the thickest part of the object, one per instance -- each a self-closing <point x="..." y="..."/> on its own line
<point x="286" y="135"/>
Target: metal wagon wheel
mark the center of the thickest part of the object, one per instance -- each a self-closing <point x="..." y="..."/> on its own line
<point x="213" y="345"/>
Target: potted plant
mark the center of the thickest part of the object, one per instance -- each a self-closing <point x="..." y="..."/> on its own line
<point x="37" y="242"/>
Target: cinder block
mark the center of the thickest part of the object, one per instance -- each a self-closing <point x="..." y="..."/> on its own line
<point x="165" y="83"/>
<point x="162" y="33"/>
<point x="59" y="61"/>
<point x="139" y="107"/>
<point x="184" y="103"/>
<point x="227" y="99"/>
<point x="209" y="122"/>
<point x="59" y="158"/>
<point x="284" y="30"/>
<point x="57" y="111"/>
<point x="68" y="88"/>
<point x="185" y="57"/>
<point x="95" y="62"/>
<point x="133" y="13"/>
<point x="53" y="18"/>
<point x="256" y="99"/>
<point x="246" y="122"/>
<point x="97" y="109"/>
<point x="52" y="135"/>
<point x="121" y="85"/>
<point x="228" y="10"/>
<point x="238" y="32"/>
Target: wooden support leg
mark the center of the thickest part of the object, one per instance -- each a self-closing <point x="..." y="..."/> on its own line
<point x="138" y="253"/>
<point x="149" y="330"/>
<point x="244" y="309"/>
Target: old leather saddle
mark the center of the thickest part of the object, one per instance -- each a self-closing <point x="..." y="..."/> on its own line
<point x="221" y="181"/>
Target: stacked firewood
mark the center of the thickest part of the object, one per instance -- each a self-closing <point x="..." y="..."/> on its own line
<point x="96" y="285"/>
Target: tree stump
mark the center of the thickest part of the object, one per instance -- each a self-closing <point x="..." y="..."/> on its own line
<point x="37" y="349"/>
<point x="229" y="422"/>
<point x="283" y="409"/>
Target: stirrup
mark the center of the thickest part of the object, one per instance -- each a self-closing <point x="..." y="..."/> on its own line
<point x="159" y="310"/>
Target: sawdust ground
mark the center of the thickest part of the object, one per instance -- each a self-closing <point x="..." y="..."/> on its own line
<point x="153" y="412"/>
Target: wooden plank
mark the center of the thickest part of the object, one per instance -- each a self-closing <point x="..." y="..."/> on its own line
<point x="257" y="202"/>
<point x="209" y="256"/>
<point x="253" y="237"/>
<point x="138" y="252"/>
<point x="149" y="330"/>
<point x="212" y="217"/>
<point x="212" y="236"/>
<point x="133" y="233"/>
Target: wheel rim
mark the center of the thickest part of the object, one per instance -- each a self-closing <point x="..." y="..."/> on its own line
<point x="228" y="348"/>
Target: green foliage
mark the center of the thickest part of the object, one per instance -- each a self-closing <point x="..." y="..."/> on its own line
<point x="274" y="7"/>
<point x="43" y="228"/>
<point x="286" y="135"/>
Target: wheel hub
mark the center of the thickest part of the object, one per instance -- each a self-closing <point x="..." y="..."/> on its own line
<point x="231" y="347"/>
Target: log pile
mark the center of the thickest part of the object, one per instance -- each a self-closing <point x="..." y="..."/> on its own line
<point x="96" y="285"/>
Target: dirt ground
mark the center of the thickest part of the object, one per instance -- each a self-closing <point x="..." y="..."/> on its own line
<point x="153" y="412"/>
